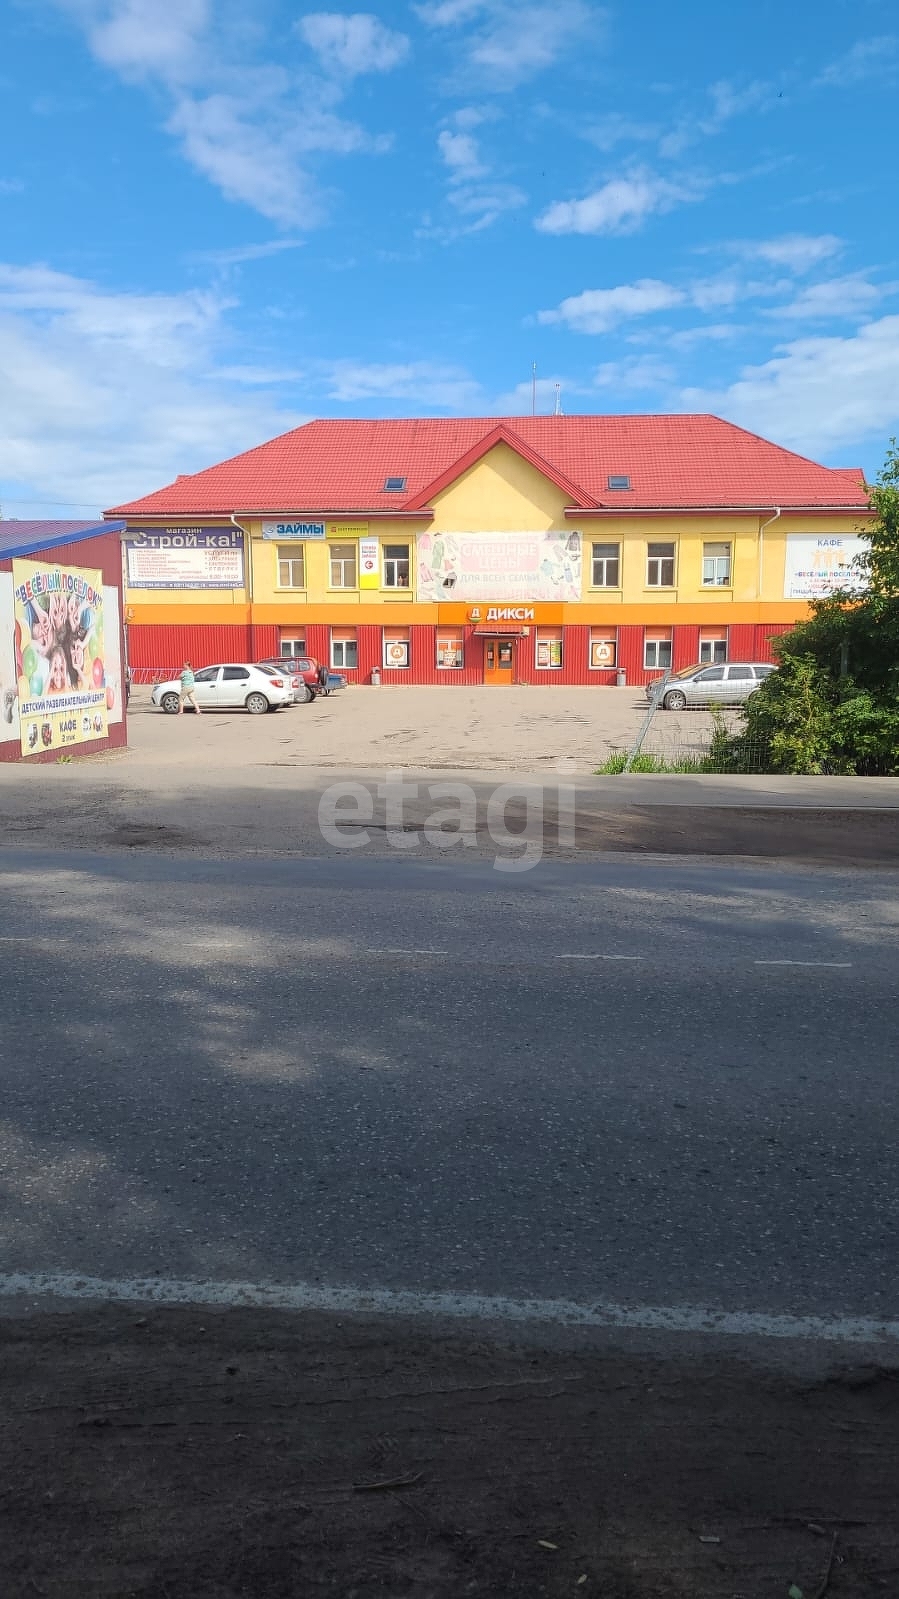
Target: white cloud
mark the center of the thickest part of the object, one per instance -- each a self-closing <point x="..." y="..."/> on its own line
<point x="598" y="310"/>
<point x="486" y="203"/>
<point x="539" y="397"/>
<point x="797" y="252"/>
<point x="635" y="373"/>
<point x="513" y="43"/>
<point x="835" y="298"/>
<point x="109" y="395"/>
<point x="621" y="206"/>
<point x="239" y="253"/>
<point x="143" y="37"/>
<point x="727" y="101"/>
<point x="608" y="131"/>
<point x="868" y="58"/>
<point x="11" y="186"/>
<point x="354" y="44"/>
<point x="429" y="384"/>
<point x="461" y="154"/>
<point x="817" y="394"/>
<point x="245" y="159"/>
<point x="247" y="125"/>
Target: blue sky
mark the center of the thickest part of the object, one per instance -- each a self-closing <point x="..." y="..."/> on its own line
<point x="218" y="220"/>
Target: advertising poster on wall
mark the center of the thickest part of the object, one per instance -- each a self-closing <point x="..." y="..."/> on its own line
<point x="115" y="677"/>
<point x="499" y="566"/>
<point x="59" y="645"/>
<point x="369" y="576"/>
<point x="817" y="565"/>
<point x="185" y="558"/>
<point x="9" y="682"/>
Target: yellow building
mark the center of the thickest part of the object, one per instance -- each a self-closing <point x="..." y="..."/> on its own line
<point x="530" y="549"/>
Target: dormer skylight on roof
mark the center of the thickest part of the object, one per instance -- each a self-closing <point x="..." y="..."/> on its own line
<point x="394" y="485"/>
<point x="619" y="481"/>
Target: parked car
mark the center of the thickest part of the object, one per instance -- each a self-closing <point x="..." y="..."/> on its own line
<point x="309" y="672"/>
<point x="728" y="684"/>
<point x="236" y="686"/>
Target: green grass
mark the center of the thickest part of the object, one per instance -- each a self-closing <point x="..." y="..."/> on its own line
<point x="614" y="765"/>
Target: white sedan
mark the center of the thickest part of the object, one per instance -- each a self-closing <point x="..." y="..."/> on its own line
<point x="230" y="688"/>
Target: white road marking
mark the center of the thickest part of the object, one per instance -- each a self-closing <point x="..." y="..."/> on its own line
<point x="842" y="964"/>
<point x="461" y="1306"/>
<point x="598" y="957"/>
<point x="375" y="951"/>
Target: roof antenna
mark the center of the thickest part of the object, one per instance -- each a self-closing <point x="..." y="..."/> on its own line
<point x="534" y="390"/>
<point x="558" y="409"/>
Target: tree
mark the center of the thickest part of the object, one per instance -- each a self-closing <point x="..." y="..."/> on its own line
<point x="833" y="706"/>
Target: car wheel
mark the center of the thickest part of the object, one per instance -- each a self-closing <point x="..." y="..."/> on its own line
<point x="674" y="701"/>
<point x="257" y="704"/>
<point x="170" y="704"/>
<point x="304" y="694"/>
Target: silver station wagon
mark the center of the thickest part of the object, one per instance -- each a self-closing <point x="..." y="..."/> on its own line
<point x="709" y="685"/>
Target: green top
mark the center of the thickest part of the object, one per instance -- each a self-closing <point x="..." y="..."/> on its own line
<point x="187" y="679"/>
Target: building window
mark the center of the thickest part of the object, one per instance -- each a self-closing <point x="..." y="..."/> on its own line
<point x="344" y="649"/>
<point x="396" y="647"/>
<point x="292" y="647"/>
<point x="291" y="566"/>
<point x="660" y="566"/>
<point x="343" y="566"/>
<point x="712" y="646"/>
<point x="450" y="651"/>
<point x="549" y="649"/>
<point x="396" y="566"/>
<point x="657" y="651"/>
<point x="603" y="650"/>
<point x="606" y="565"/>
<point x="716" y="565"/>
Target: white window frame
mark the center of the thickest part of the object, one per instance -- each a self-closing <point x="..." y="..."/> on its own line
<point x="603" y="638"/>
<point x="713" y="651"/>
<point x="293" y="554"/>
<point x="714" y="565"/>
<point x="458" y="639"/>
<point x="291" y="648"/>
<point x="339" y="647"/>
<point x="389" y="564"/>
<point x="605" y="561"/>
<point x="343" y="562"/>
<point x="543" y="643"/>
<point x="653" y="646"/>
<point x="657" y="563"/>
<point x="395" y="641"/>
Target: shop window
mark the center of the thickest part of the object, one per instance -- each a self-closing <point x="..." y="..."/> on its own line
<point x="603" y="650"/>
<point x="396" y="648"/>
<point x="657" y="651"/>
<point x="344" y="649"/>
<point x="660" y="566"/>
<point x="716" y="566"/>
<point x="712" y="646"/>
<point x="292" y="647"/>
<point x="291" y="566"/>
<point x="606" y="566"/>
<point x="396" y="566"/>
<point x="549" y="649"/>
<point x="343" y="566"/>
<point x="450" y="651"/>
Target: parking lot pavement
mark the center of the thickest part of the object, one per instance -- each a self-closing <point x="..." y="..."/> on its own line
<point x="479" y="729"/>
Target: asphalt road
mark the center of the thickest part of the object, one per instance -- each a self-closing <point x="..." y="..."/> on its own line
<point x="652" y="1081"/>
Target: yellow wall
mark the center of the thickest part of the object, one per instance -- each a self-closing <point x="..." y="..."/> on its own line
<point x="503" y="493"/>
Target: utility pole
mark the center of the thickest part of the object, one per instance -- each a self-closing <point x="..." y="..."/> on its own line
<point x="534" y="390"/>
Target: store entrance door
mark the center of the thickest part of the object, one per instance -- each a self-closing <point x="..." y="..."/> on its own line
<point x="499" y="661"/>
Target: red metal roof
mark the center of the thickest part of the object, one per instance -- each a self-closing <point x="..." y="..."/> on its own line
<point x="29" y="538"/>
<point x="340" y="467"/>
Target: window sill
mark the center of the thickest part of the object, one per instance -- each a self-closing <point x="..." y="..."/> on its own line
<point x="716" y="588"/>
<point x="332" y="590"/>
<point x="604" y="588"/>
<point x="660" y="588"/>
<point x="282" y="588"/>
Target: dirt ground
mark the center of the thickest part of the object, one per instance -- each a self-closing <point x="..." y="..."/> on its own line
<point x="178" y="1454"/>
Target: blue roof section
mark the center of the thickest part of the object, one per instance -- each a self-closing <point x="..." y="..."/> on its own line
<point x="27" y="538"/>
